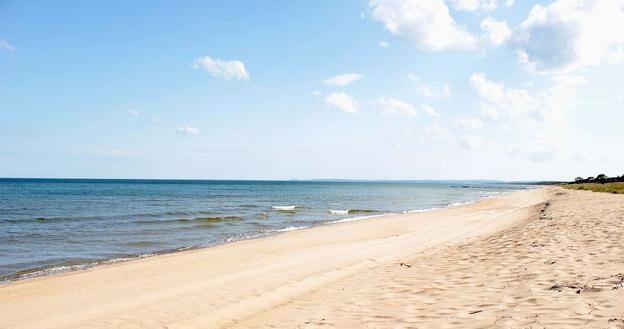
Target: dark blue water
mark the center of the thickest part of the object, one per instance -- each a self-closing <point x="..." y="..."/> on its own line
<point x="51" y="225"/>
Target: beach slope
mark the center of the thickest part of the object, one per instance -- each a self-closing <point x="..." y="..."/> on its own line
<point x="529" y="257"/>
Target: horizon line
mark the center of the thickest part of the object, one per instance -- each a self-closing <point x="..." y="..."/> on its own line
<point x="284" y="180"/>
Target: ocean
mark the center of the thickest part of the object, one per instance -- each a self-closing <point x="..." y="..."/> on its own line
<point x="53" y="225"/>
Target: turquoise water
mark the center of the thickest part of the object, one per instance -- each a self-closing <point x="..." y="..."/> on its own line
<point x="50" y="225"/>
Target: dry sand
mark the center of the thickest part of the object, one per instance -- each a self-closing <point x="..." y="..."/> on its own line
<point x="532" y="259"/>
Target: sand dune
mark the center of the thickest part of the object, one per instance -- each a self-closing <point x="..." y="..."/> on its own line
<point x="533" y="258"/>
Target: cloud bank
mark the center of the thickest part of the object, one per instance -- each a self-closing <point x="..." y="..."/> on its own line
<point x="571" y="34"/>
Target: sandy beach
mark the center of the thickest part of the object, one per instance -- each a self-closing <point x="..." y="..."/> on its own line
<point x="542" y="258"/>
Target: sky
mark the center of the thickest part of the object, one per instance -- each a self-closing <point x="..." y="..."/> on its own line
<point x="351" y="89"/>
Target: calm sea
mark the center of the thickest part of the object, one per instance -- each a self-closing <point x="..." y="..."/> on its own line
<point x="51" y="225"/>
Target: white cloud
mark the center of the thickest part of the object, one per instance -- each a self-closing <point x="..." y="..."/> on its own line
<point x="395" y="107"/>
<point x="222" y="69"/>
<point x="472" y="5"/>
<point x="468" y="123"/>
<point x="439" y="136"/>
<point x="134" y="113"/>
<point x="430" y="111"/>
<point x="343" y="79"/>
<point x="384" y="44"/>
<point x="470" y="143"/>
<point x="428" y="90"/>
<point x="517" y="103"/>
<point x="425" y="90"/>
<point x="342" y="102"/>
<point x="186" y="130"/>
<point x="426" y="22"/>
<point x="497" y="32"/>
<point x="570" y="80"/>
<point x="571" y="34"/>
<point x="540" y="153"/>
<point x="435" y="133"/>
<point x="5" y="45"/>
<point x="432" y="92"/>
<point x="509" y="3"/>
<point x="490" y="91"/>
<point x="530" y="124"/>
<point x="489" y="113"/>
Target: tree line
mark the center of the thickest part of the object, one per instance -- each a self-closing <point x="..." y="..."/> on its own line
<point x="600" y="179"/>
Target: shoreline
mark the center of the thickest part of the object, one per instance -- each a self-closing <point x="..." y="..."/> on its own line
<point x="57" y="269"/>
<point x="237" y="280"/>
<point x="562" y="267"/>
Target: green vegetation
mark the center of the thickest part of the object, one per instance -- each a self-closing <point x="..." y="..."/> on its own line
<point x="600" y="183"/>
<point x="615" y="188"/>
<point x="600" y="179"/>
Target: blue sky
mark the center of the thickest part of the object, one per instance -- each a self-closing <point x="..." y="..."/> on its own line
<point x="380" y="89"/>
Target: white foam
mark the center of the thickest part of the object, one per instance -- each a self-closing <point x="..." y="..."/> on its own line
<point x="457" y="204"/>
<point x="284" y="208"/>
<point x="339" y="212"/>
<point x="76" y="267"/>
<point x="419" y="210"/>
<point x="350" y="219"/>
<point x="291" y="228"/>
